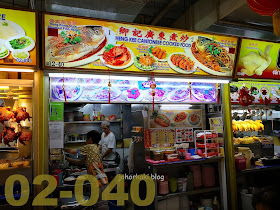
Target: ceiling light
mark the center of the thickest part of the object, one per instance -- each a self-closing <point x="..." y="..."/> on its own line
<point x="16" y="70"/>
<point x="4" y="87"/>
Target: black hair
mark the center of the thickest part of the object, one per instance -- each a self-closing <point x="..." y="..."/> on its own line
<point x="269" y="197"/>
<point x="94" y="135"/>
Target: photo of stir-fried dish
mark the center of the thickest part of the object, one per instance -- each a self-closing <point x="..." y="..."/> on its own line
<point x="145" y="62"/>
<point x="117" y="56"/>
<point x="181" y="63"/>
<point x="71" y="46"/>
<point x="159" y="53"/>
<point x="211" y="55"/>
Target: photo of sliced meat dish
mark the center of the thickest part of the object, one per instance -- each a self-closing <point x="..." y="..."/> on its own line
<point x="117" y="55"/>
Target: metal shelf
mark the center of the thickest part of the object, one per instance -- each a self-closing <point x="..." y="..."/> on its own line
<point x="90" y="122"/>
<point x="193" y="192"/>
<point x="73" y="142"/>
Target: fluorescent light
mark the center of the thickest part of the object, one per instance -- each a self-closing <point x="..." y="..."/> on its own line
<point x="210" y="80"/>
<point x="104" y="76"/>
<point x="4" y="87"/>
<point x="175" y="107"/>
<point x="16" y="70"/>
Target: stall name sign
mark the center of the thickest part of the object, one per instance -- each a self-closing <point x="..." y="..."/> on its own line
<point x="262" y="93"/>
<point x="92" y="44"/>
<point x="18" y="37"/>
<point x="259" y="59"/>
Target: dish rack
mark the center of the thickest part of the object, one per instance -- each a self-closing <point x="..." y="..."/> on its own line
<point x="206" y="143"/>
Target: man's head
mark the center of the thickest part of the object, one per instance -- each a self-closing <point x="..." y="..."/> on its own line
<point x="267" y="199"/>
<point x="93" y="137"/>
<point x="105" y="125"/>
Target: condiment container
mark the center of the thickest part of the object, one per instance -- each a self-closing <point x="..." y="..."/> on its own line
<point x="102" y="117"/>
<point x="208" y="175"/>
<point x="196" y="171"/>
<point x="158" y="155"/>
<point x="86" y="117"/>
<point x="172" y="184"/>
<point x="182" y="184"/>
<point x="163" y="188"/>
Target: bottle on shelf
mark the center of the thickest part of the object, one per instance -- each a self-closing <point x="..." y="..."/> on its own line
<point x="216" y="205"/>
<point x="98" y="116"/>
<point x="93" y="115"/>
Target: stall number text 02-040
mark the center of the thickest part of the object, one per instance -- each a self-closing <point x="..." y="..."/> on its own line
<point x="42" y="198"/>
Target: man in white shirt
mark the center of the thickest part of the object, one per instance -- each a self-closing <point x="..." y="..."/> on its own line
<point x="107" y="142"/>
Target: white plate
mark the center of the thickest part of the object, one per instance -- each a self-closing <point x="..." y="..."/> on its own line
<point x="26" y="49"/>
<point x="19" y="30"/>
<point x="119" y="67"/>
<point x="109" y="34"/>
<point x="172" y="93"/>
<point x="154" y="64"/>
<point x="189" y="53"/>
<point x="178" y="69"/>
<point x="7" y="49"/>
<point x="150" y="98"/>
<point x="13" y="54"/>
<point x="92" y="98"/>
<point x="161" y="60"/>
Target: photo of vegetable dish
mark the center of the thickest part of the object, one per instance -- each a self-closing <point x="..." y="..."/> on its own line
<point x="117" y="56"/>
<point x="4" y="52"/>
<point x="145" y="62"/>
<point x="180" y="117"/>
<point x="181" y="63"/>
<point x="211" y="56"/>
<point x="159" y="53"/>
<point x="21" y="43"/>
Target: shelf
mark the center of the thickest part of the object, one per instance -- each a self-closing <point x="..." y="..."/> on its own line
<point x="261" y="169"/>
<point x="193" y="192"/>
<point x="75" y="142"/>
<point x="89" y="122"/>
<point x="186" y="162"/>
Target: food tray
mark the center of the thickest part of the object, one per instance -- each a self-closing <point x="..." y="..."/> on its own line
<point x="210" y="154"/>
<point x="208" y="145"/>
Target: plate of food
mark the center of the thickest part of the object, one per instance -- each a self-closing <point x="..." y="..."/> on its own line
<point x="73" y="88"/>
<point x="204" y="92"/>
<point x="20" y="43"/>
<point x="4" y="51"/>
<point x="264" y="92"/>
<point x="276" y="91"/>
<point x="180" y="117"/>
<point x="93" y="83"/>
<point x="117" y="56"/>
<point x="159" y="53"/>
<point x="234" y="92"/>
<point x="181" y="63"/>
<point x="160" y="95"/>
<point x="103" y="94"/>
<point x="132" y="94"/>
<point x="9" y="29"/>
<point x="179" y="94"/>
<point x="79" y="47"/>
<point x="194" y="119"/>
<point x="210" y="56"/>
<point x="161" y="120"/>
<point x="146" y="62"/>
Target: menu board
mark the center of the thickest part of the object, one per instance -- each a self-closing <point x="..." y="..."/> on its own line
<point x="176" y="118"/>
<point x="158" y="138"/>
<point x="18" y="37"/>
<point x="259" y="59"/>
<point x="129" y="91"/>
<point x="262" y="93"/>
<point x="216" y="124"/>
<point x="84" y="43"/>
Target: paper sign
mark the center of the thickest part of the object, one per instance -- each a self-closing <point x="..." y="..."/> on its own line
<point x="216" y="124"/>
<point x="56" y="111"/>
<point x="56" y="134"/>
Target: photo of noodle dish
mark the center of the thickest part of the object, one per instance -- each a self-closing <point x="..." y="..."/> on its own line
<point x="181" y="63"/>
<point x="179" y="94"/>
<point x="204" y="92"/>
<point x="77" y="47"/>
<point x="103" y="94"/>
<point x="194" y="119"/>
<point x="210" y="56"/>
<point x="117" y="56"/>
<point x="159" y="53"/>
<point x="72" y="87"/>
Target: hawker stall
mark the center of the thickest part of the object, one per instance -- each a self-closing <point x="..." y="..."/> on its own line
<point x="18" y="60"/>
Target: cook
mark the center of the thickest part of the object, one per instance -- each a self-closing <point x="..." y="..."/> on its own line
<point x="107" y="143"/>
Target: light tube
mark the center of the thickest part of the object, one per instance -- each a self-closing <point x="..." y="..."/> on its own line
<point x="16" y="70"/>
<point x="210" y="80"/>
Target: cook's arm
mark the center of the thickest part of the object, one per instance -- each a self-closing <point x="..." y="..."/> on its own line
<point x="72" y="151"/>
<point x="108" y="151"/>
<point x="75" y="161"/>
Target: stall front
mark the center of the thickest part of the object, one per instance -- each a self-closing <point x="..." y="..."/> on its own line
<point x="158" y="88"/>
<point x="18" y="61"/>
<point x="255" y="110"/>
